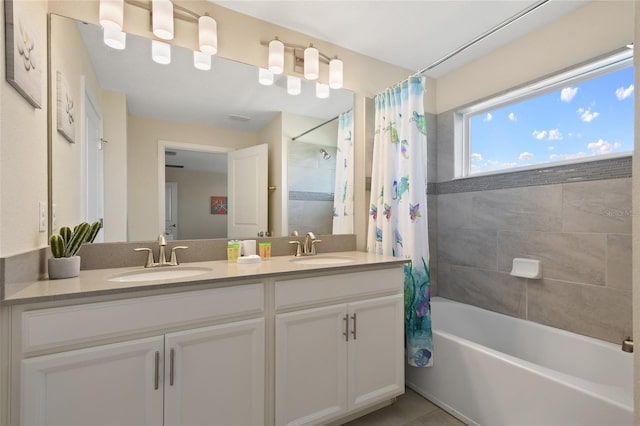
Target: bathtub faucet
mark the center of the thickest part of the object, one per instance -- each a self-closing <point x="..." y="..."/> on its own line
<point x="627" y="345"/>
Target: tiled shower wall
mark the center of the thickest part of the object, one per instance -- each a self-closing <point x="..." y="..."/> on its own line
<point x="581" y="231"/>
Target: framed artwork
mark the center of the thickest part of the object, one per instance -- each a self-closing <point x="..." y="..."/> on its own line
<point x="218" y="205"/>
<point x="23" y="52"/>
<point x="66" y="110"/>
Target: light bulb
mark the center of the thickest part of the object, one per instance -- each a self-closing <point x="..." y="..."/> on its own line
<point x="322" y="90"/>
<point x="161" y="52"/>
<point x="201" y="61"/>
<point x="335" y="73"/>
<point x="112" y="14"/>
<point x="311" y="63"/>
<point x="208" y="35"/>
<point x="294" y="85"/>
<point x="276" y="56"/>
<point x="162" y="22"/>
<point x="265" y="77"/>
<point x="114" y="38"/>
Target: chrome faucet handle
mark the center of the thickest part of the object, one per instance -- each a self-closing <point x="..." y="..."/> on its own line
<point x="313" y="246"/>
<point x="298" y="248"/>
<point x="162" y="241"/>
<point x="174" y="257"/>
<point x="150" y="261"/>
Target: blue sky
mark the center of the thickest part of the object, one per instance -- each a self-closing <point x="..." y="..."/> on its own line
<point x="590" y="118"/>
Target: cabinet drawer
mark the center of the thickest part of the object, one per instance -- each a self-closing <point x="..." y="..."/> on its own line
<point x="50" y="328"/>
<point x="307" y="291"/>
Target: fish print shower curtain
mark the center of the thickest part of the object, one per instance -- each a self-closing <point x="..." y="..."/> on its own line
<point x="343" y="193"/>
<point x="398" y="211"/>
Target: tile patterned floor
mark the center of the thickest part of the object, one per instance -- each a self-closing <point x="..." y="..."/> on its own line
<point x="409" y="410"/>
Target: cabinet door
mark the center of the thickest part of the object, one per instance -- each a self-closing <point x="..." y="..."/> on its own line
<point x="215" y="375"/>
<point x="311" y="365"/>
<point x="118" y="384"/>
<point x="376" y="354"/>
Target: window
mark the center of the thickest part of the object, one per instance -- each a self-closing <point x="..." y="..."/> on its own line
<point x="580" y="115"/>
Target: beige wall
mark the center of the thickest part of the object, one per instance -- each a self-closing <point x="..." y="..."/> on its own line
<point x="195" y="190"/>
<point x="271" y="134"/>
<point x="594" y="29"/>
<point x="142" y="164"/>
<point x="636" y="221"/>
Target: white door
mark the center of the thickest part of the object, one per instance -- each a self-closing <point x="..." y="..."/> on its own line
<point x="119" y="384"/>
<point x="215" y="375"/>
<point x="171" y="210"/>
<point x="311" y="365"/>
<point x="94" y="165"/>
<point x="376" y="354"/>
<point x="247" y="185"/>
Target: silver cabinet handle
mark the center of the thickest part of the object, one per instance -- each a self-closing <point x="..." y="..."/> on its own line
<point x="156" y="380"/>
<point x="171" y="359"/>
<point x="353" y="317"/>
<point x="346" y="327"/>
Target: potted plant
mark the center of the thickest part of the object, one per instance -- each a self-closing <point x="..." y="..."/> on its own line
<point x="64" y="246"/>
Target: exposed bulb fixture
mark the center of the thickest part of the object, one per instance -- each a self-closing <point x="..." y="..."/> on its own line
<point x="201" y="61"/>
<point x="276" y="56"/>
<point x="161" y="52"/>
<point x="112" y="14"/>
<point x="162" y="19"/>
<point x="294" y="85"/>
<point x="335" y="73"/>
<point x="311" y="63"/>
<point x="208" y="35"/>
<point x="114" y="38"/>
<point x="265" y="77"/>
<point x="322" y="90"/>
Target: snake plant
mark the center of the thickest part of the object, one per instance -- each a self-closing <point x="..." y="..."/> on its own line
<point x="67" y="242"/>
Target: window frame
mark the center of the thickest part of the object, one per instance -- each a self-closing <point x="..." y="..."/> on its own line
<point x="619" y="59"/>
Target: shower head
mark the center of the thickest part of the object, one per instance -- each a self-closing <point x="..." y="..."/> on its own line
<point x="325" y="154"/>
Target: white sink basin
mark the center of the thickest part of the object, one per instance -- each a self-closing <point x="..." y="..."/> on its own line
<point x="162" y="273"/>
<point x="321" y="260"/>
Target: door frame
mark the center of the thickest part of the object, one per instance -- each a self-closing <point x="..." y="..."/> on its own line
<point x="162" y="146"/>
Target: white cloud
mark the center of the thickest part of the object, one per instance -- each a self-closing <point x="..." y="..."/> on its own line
<point x="551" y="148"/>
<point x="617" y="145"/>
<point x="586" y="115"/>
<point x="568" y="93"/>
<point x="492" y="162"/>
<point x="622" y="93"/>
<point x="539" y="134"/>
<point x="568" y="156"/>
<point x="512" y="117"/>
<point x="555" y="135"/>
<point x="600" y="147"/>
<point x="507" y="165"/>
<point x="476" y="157"/>
<point x="488" y="117"/>
<point x="525" y="156"/>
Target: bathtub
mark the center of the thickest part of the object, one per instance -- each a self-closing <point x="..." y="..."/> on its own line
<point x="493" y="369"/>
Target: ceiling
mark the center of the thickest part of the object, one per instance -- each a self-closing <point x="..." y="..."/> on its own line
<point x="411" y="34"/>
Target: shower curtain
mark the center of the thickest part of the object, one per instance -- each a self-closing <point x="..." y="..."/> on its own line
<point x="398" y="211"/>
<point x="343" y="192"/>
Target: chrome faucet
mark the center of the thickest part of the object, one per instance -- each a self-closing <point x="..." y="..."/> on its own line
<point x="627" y="345"/>
<point x="308" y="247"/>
<point x="162" y="258"/>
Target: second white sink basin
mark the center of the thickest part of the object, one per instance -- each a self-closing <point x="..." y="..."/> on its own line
<point x="162" y="273"/>
<point x="321" y="260"/>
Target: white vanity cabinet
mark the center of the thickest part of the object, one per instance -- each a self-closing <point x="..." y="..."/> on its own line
<point x="337" y="359"/>
<point x="205" y="375"/>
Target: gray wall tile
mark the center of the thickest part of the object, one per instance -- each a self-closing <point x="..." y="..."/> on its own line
<point x="594" y="311"/>
<point x="495" y="291"/>
<point x="578" y="257"/>
<point x="536" y="208"/>
<point x="454" y="210"/>
<point x="445" y="148"/>
<point x="598" y="206"/>
<point x="468" y="247"/>
<point x="432" y="147"/>
<point x="433" y="241"/>
<point x="619" y="261"/>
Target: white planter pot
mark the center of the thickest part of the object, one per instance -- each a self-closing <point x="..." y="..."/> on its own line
<point x="64" y="267"/>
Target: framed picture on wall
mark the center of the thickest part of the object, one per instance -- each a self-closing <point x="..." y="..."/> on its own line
<point x="218" y="205"/>
<point x="23" y="52"/>
<point x="66" y="109"/>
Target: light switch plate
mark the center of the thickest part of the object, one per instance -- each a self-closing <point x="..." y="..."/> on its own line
<point x="42" y="217"/>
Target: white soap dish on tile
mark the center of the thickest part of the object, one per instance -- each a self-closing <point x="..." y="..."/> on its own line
<point x="527" y="268"/>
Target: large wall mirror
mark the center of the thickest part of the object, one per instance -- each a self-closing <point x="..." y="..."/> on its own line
<point x="145" y="145"/>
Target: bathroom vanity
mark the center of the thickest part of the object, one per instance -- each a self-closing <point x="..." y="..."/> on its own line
<point x="280" y="342"/>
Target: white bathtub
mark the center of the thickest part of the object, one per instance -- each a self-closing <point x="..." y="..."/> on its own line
<point x="492" y="369"/>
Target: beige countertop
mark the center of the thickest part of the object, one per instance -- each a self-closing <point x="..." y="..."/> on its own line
<point x="96" y="282"/>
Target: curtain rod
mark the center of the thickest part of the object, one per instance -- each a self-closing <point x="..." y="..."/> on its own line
<point x="314" y="128"/>
<point x="483" y="36"/>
